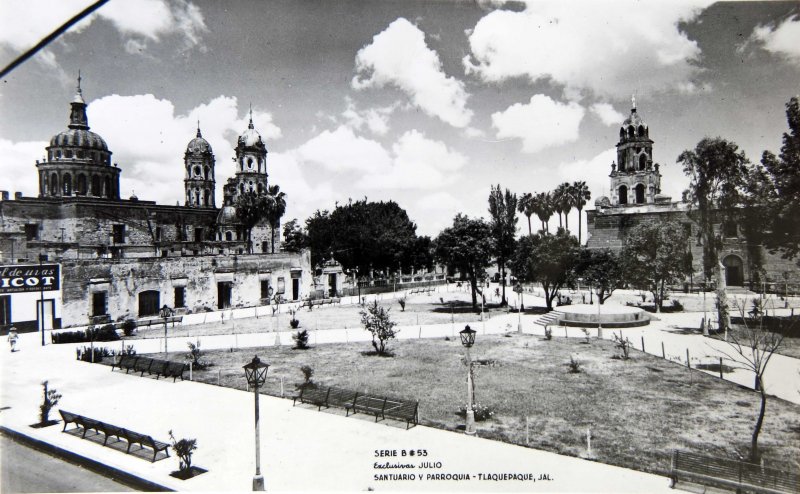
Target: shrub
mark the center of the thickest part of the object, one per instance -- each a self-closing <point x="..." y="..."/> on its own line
<point x="100" y="352"/>
<point x="308" y="373"/>
<point x="622" y="344"/>
<point x="128" y="327"/>
<point x="574" y="365"/>
<point x="183" y="449"/>
<point x="301" y="340"/>
<point x="293" y="322"/>
<point x="375" y="319"/>
<point x="105" y="333"/>
<point x="677" y="306"/>
<point x="585" y="335"/>
<point x="402" y="303"/>
<point x="195" y="354"/>
<point x="129" y="351"/>
<point x="482" y="412"/>
<point x="50" y="399"/>
<point x="548" y="333"/>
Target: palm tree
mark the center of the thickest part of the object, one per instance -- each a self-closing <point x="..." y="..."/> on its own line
<point x="543" y="208"/>
<point x="275" y="210"/>
<point x="562" y="202"/>
<point x="581" y="195"/>
<point x="525" y="205"/>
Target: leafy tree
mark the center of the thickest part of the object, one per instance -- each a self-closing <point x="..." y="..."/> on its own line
<point x="419" y="254"/>
<point x="320" y="233"/>
<point x="547" y="259"/>
<point x="602" y="269"/>
<point x="375" y="319"/>
<point x="294" y="238"/>
<point x="466" y="246"/>
<point x="251" y="209"/>
<point x="503" y="209"/>
<point x="653" y="257"/>
<point x="275" y="208"/>
<point x="754" y="347"/>
<point x="775" y="190"/>
<point x="580" y="196"/>
<point x="717" y="173"/>
<point x="526" y="206"/>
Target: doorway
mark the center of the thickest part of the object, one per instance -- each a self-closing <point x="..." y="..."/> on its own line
<point x="224" y="289"/>
<point x="149" y="303"/>
<point x="332" y="284"/>
<point x="49" y="313"/>
<point x="295" y="288"/>
<point x="734" y="275"/>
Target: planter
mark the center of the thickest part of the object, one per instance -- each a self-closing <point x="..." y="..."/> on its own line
<point x="188" y="473"/>
<point x="45" y="424"/>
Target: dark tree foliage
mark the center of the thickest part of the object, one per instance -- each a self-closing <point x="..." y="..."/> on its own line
<point x="503" y="210"/>
<point x="275" y="208"/>
<point x="602" y="269"/>
<point x="466" y="246"/>
<point x="419" y="255"/>
<point x="580" y="196"/>
<point x="294" y="238"/>
<point x="717" y="173"/>
<point x="250" y="210"/>
<point x="527" y="206"/>
<point x="547" y="259"/>
<point x="362" y="236"/>
<point x="654" y="257"/>
<point x="775" y="186"/>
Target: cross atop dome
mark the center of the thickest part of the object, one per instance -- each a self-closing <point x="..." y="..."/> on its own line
<point x="250" y="125"/>
<point x="198" y="128"/>
<point x="633" y="102"/>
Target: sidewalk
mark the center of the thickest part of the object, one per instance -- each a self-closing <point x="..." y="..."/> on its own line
<point x="302" y="449"/>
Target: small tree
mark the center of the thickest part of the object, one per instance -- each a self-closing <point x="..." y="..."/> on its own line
<point x="50" y="399"/>
<point x="623" y="344"/>
<point x="183" y="449"/>
<point x="293" y="322"/>
<point x="308" y="373"/>
<point x="301" y="340"/>
<point x="128" y="327"/>
<point x="375" y="319"/>
<point x="402" y="303"/>
<point x="754" y="347"/>
<point x="195" y="354"/>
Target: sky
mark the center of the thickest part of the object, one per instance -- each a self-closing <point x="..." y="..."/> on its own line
<point x="427" y="103"/>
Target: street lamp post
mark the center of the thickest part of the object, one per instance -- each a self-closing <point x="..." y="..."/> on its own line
<point x="256" y="374"/>
<point x="165" y="313"/>
<point x="41" y="297"/>
<point x="468" y="339"/>
<point x="518" y="289"/>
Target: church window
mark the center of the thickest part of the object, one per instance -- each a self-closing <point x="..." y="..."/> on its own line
<point x="621" y="134"/>
<point x="198" y="234"/>
<point x="630" y="132"/>
<point x="31" y="231"/>
<point x="67" y="184"/>
<point x="642" y="161"/>
<point x="207" y="173"/>
<point x="180" y="297"/>
<point x="68" y="153"/>
<point x="81" y="184"/>
<point x="107" y="187"/>
<point x="79" y="154"/>
<point x="58" y="154"/>
<point x="729" y="229"/>
<point x="53" y="184"/>
<point x="260" y="188"/>
<point x="641" y="131"/>
<point x="639" y="189"/>
<point x="197" y="172"/>
<point x="118" y="234"/>
<point x="241" y="188"/>
<point x="96" y="185"/>
<point x="623" y="194"/>
<point x="228" y="236"/>
<point x="249" y="162"/>
<point x="208" y="198"/>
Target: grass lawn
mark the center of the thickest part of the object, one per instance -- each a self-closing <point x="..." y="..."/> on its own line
<point x="638" y="410"/>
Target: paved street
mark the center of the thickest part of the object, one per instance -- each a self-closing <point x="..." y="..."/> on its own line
<point x="23" y="469"/>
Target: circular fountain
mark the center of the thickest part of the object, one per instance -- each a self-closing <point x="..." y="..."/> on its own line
<point x="609" y="315"/>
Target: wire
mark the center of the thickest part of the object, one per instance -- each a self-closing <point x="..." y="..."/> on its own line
<point x="52" y="36"/>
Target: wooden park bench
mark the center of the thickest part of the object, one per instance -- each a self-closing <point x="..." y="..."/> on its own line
<point x="109" y="430"/>
<point x="146" y="323"/>
<point x="380" y="406"/>
<point x="383" y="406"/>
<point x="157" y="367"/>
<point x="732" y="474"/>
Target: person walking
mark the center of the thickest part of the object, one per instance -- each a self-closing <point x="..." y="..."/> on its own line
<point x="12" y="338"/>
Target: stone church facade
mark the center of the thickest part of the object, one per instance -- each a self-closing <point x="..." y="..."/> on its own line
<point x="636" y="198"/>
<point x="125" y="258"/>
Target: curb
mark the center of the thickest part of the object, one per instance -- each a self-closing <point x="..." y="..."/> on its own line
<point x="100" y="468"/>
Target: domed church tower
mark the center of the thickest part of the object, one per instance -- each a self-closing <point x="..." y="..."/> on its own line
<point x="251" y="165"/>
<point x="635" y="179"/>
<point x="199" y="180"/>
<point x="78" y="160"/>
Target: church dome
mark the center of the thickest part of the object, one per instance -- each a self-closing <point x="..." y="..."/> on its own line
<point x="198" y="145"/>
<point x="227" y="216"/>
<point x="251" y="137"/>
<point x="602" y="202"/>
<point x="81" y="138"/>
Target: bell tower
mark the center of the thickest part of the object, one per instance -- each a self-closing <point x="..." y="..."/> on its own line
<point x="635" y="179"/>
<point x="251" y="165"/>
<point x="198" y="163"/>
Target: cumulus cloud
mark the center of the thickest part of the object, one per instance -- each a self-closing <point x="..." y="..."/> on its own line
<point x="302" y="198"/>
<point x="541" y="123"/>
<point x="18" y="165"/>
<point x="607" y="114"/>
<point x="418" y="163"/>
<point x="636" y="43"/>
<point x="783" y="40"/>
<point x="26" y="22"/>
<point x="144" y="133"/>
<point x="399" y="57"/>
<point x="342" y="150"/>
<point x="374" y="119"/>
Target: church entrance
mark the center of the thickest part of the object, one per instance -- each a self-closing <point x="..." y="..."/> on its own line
<point x="734" y="275"/>
<point x="224" y="289"/>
